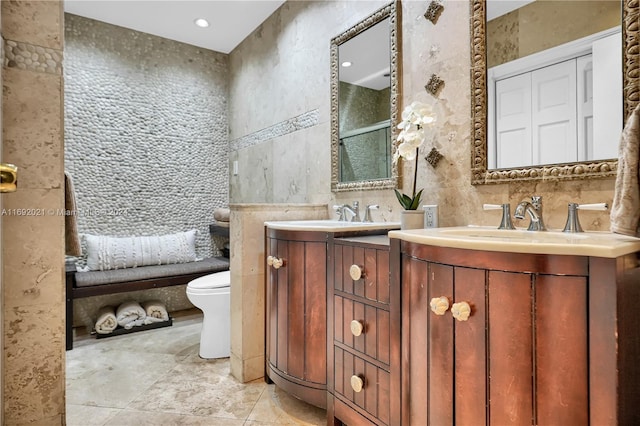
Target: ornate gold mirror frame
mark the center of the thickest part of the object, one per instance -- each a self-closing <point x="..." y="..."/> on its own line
<point x="569" y="171"/>
<point x="392" y="11"/>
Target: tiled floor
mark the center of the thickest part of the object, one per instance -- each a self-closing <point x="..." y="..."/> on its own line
<point x="156" y="377"/>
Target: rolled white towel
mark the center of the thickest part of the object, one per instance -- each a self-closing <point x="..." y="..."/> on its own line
<point x="222" y="214"/>
<point x="106" y="321"/>
<point x="156" y="311"/>
<point x="130" y="314"/>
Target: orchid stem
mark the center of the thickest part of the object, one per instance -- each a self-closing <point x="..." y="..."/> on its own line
<point x="415" y="175"/>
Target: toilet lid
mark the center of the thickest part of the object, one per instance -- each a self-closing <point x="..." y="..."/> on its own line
<point x="217" y="280"/>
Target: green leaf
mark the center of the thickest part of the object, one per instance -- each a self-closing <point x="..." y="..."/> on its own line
<point x="407" y="202"/>
<point x="416" y="201"/>
<point x="403" y="199"/>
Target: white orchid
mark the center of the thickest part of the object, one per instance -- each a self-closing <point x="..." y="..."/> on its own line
<point x="415" y="118"/>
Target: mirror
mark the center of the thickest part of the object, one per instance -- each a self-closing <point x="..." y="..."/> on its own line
<point x="364" y="101"/>
<point x="486" y="167"/>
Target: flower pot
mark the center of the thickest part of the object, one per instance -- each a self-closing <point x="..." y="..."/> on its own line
<point x="412" y="219"/>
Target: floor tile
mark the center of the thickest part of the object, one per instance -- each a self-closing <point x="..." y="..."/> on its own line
<point x="201" y="389"/>
<point x="145" y="418"/>
<point x="84" y="415"/>
<point x="278" y="407"/>
<point x="156" y="377"/>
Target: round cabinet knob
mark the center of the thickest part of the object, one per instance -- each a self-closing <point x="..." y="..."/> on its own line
<point x="270" y="260"/>
<point x="357" y="383"/>
<point x="356" y="272"/>
<point x="357" y="327"/>
<point x="461" y="311"/>
<point x="439" y="305"/>
<point x="277" y="263"/>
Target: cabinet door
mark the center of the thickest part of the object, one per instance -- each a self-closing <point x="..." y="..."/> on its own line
<point x="510" y="364"/>
<point x="297" y="310"/>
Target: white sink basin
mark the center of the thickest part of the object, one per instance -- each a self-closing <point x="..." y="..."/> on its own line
<point x="329" y="225"/>
<point x="600" y="244"/>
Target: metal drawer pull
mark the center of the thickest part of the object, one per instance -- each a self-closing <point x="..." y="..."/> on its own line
<point x="439" y="305"/>
<point x="357" y="383"/>
<point x="461" y="311"/>
<point x="275" y="262"/>
<point x="357" y="327"/>
<point x="356" y="272"/>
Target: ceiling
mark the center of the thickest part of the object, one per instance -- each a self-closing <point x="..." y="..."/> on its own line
<point x="369" y="54"/>
<point x="231" y="21"/>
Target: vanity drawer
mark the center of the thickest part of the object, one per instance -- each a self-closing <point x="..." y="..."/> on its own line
<point x="373" y="265"/>
<point x="362" y="385"/>
<point x="370" y="332"/>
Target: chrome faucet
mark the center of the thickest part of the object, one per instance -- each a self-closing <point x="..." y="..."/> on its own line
<point x="367" y="212"/>
<point x="355" y="211"/>
<point x="534" y="210"/>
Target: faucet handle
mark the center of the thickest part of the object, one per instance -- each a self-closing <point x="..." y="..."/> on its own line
<point x="595" y="206"/>
<point x="505" y="222"/>
<point x="339" y="209"/>
<point x="573" y="221"/>
<point x="367" y="212"/>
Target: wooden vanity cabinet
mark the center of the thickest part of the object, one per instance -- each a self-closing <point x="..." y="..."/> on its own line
<point x="363" y="333"/>
<point x="557" y="344"/>
<point x="296" y="293"/>
<point x="296" y="297"/>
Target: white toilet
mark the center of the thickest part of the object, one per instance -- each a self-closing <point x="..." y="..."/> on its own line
<point x="211" y="294"/>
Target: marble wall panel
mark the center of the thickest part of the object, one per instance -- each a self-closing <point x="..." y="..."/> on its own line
<point x="33" y="127"/>
<point x="32" y="234"/>
<point x="37" y="22"/>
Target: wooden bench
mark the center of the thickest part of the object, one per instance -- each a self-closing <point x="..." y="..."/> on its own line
<point x="97" y="283"/>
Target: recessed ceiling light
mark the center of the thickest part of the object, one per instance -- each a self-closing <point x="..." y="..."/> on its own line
<point x="201" y="22"/>
<point x="346" y="64"/>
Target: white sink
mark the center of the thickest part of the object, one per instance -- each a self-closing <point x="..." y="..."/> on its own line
<point x="329" y="225"/>
<point x="600" y="244"/>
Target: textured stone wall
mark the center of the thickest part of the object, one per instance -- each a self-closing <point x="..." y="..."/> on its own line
<point x="145" y="131"/>
<point x="290" y="51"/>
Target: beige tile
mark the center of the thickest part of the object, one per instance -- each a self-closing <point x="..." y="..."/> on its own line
<point x="84" y="415"/>
<point x="201" y="389"/>
<point x="277" y="407"/>
<point x="253" y="302"/>
<point x="33" y="364"/>
<point x="145" y="418"/>
<point x="253" y="368"/>
<point x="34" y="248"/>
<point x="32" y="132"/>
<point x="112" y="378"/>
<point x="35" y="22"/>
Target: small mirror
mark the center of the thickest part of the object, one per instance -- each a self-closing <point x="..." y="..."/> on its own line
<point x="364" y="98"/>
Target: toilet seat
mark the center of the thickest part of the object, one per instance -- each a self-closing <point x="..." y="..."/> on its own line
<point x="210" y="284"/>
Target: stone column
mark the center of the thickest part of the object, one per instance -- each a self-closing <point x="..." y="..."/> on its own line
<point x="246" y="231"/>
<point x="32" y="226"/>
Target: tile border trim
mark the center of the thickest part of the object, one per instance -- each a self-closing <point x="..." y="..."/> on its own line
<point x="302" y="121"/>
<point x="30" y="57"/>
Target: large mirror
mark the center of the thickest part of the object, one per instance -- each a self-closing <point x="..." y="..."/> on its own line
<point x="552" y="84"/>
<point x="364" y="101"/>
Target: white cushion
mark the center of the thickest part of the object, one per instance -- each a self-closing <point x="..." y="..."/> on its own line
<point x="106" y="253"/>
